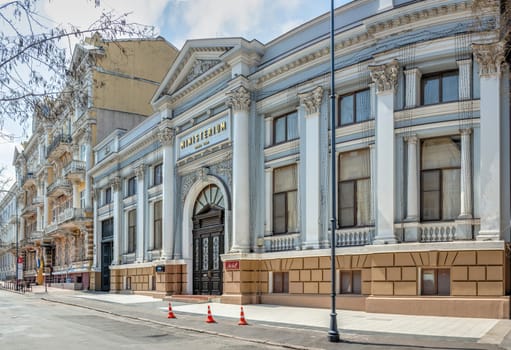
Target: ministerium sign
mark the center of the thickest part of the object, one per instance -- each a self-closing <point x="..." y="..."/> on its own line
<point x="205" y="136"/>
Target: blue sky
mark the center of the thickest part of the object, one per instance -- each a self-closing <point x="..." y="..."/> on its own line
<point x="179" y="20"/>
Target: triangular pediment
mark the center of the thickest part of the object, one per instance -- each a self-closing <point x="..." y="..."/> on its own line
<point x="196" y="59"/>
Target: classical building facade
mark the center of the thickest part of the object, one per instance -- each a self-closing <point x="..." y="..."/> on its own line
<point x="110" y="86"/>
<point x="224" y="190"/>
<point x="8" y="236"/>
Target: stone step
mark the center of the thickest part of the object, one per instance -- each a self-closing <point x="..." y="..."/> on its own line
<point x="192" y="299"/>
<point x="151" y="293"/>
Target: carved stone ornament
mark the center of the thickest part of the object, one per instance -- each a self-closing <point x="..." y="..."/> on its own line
<point x="116" y="183"/>
<point x="239" y="99"/>
<point x="166" y="136"/>
<point x="412" y="139"/>
<point x="491" y="58"/>
<point x="385" y="76"/>
<point x="199" y="67"/>
<point x="312" y="100"/>
<point x="203" y="173"/>
<point x="139" y="171"/>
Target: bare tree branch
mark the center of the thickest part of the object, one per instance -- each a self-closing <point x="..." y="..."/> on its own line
<point x="33" y="64"/>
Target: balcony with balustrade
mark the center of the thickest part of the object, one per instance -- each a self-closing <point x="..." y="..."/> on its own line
<point x="75" y="170"/>
<point x="428" y="232"/>
<point x="59" y="187"/>
<point x="60" y="144"/>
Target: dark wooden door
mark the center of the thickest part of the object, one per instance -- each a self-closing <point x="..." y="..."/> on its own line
<point x="106" y="260"/>
<point x="208" y="245"/>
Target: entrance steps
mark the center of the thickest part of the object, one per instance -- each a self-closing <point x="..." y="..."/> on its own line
<point x="193" y="299"/>
<point x="151" y="293"/>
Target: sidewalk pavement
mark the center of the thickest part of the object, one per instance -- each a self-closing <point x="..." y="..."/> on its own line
<point x="296" y="327"/>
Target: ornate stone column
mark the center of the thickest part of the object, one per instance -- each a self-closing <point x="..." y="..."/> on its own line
<point x="311" y="102"/>
<point x="385" y="78"/>
<point x="372" y="160"/>
<point x="411" y="229"/>
<point x="412" y="212"/>
<point x="465" y="79"/>
<point x="167" y="136"/>
<point x="268" y="210"/>
<point x="239" y="101"/>
<point x="88" y="166"/>
<point x="463" y="223"/>
<point x="413" y="80"/>
<point x="491" y="63"/>
<point x="117" y="216"/>
<point x="141" y="204"/>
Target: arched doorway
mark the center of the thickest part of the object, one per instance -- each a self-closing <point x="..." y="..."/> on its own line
<point x="208" y="241"/>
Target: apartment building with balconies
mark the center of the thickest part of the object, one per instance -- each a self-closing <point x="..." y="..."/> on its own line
<point x="109" y="87"/>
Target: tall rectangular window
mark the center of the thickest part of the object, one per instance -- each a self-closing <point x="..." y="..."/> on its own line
<point x="285" y="210"/>
<point x="354" y="188"/>
<point x="132" y="231"/>
<point x="157" y="225"/>
<point x="157" y="175"/>
<point x="440" y="88"/>
<point x="107" y="229"/>
<point x="132" y="186"/>
<point x="440" y="178"/>
<point x="354" y="107"/>
<point x="285" y="128"/>
<point x="108" y="195"/>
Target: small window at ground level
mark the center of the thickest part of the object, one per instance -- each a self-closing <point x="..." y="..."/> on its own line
<point x="436" y="282"/>
<point x="351" y="282"/>
<point x="281" y="282"/>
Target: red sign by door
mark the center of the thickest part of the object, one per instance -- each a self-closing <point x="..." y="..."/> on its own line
<point x="232" y="265"/>
<point x="20" y="260"/>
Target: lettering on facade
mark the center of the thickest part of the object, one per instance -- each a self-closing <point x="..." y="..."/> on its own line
<point x="209" y="135"/>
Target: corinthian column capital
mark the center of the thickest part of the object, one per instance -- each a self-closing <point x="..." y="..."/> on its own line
<point x="491" y="58"/>
<point x="312" y="100"/>
<point x="385" y="76"/>
<point x="166" y="135"/>
<point x="239" y="99"/>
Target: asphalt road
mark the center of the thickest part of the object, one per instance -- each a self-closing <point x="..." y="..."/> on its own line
<point x="32" y="323"/>
<point x="42" y="321"/>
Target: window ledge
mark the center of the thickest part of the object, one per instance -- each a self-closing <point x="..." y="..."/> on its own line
<point x="281" y="147"/>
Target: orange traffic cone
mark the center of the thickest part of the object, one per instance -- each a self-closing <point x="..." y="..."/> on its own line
<point x="242" y="321"/>
<point x="171" y="313"/>
<point x="210" y="318"/>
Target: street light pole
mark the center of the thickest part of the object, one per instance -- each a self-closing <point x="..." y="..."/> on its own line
<point x="333" y="332"/>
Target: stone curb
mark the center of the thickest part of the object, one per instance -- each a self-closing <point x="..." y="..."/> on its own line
<point x="196" y="330"/>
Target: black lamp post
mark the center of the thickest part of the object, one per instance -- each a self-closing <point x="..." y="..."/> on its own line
<point x="333" y="332"/>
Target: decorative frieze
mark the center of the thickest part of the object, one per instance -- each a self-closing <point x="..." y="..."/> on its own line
<point x="385" y="76"/>
<point x="312" y="100"/>
<point x="491" y="58"/>
<point x="221" y="170"/>
<point x="199" y="67"/>
<point x="239" y="99"/>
